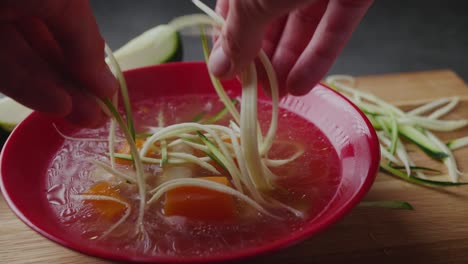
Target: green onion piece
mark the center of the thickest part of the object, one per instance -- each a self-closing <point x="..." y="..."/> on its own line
<point x="387" y="204"/>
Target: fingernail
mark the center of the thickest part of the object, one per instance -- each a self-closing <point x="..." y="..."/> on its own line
<point x="219" y="64"/>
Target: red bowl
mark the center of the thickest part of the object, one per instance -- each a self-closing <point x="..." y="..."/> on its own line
<point x="28" y="151"/>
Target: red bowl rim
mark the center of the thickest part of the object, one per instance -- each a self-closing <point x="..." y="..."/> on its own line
<point x="281" y="243"/>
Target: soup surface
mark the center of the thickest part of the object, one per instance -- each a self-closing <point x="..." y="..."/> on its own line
<point x="307" y="183"/>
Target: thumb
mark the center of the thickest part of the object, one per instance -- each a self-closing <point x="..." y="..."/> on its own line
<point x="242" y="35"/>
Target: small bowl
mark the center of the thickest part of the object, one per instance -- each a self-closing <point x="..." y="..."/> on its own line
<point x="29" y="149"/>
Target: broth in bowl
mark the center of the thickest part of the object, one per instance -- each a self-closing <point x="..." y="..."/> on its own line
<point x="188" y="221"/>
<point x="199" y="201"/>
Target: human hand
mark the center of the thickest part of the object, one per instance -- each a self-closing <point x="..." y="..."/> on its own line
<point x="301" y="37"/>
<point x="52" y="58"/>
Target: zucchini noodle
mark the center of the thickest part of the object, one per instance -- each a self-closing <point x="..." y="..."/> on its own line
<point x="240" y="148"/>
<point x="129" y="134"/>
<point x="415" y="125"/>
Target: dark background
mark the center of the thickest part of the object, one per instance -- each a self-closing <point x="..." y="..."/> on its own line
<point x="394" y="36"/>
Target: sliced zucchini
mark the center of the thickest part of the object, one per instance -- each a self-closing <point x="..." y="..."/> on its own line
<point x="155" y="46"/>
<point x="387" y="204"/>
<point x="11" y="113"/>
<point x="397" y="173"/>
<point x="3" y="137"/>
<point x="458" y="143"/>
<point x="374" y="122"/>
<point x="417" y="168"/>
<point x="415" y="135"/>
<point x="215" y="154"/>
<point x="421" y="140"/>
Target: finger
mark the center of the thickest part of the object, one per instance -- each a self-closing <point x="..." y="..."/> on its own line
<point x="15" y="8"/>
<point x="271" y="39"/>
<point x="300" y="27"/>
<point x="77" y="32"/>
<point x="242" y="35"/>
<point x="39" y="38"/>
<point x="273" y="34"/>
<point x="85" y="111"/>
<point x="222" y="8"/>
<point x="27" y="78"/>
<point x="338" y="22"/>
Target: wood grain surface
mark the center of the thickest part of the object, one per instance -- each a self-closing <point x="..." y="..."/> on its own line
<point x="435" y="232"/>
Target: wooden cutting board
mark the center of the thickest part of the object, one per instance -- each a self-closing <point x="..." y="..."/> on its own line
<point x="435" y="232"/>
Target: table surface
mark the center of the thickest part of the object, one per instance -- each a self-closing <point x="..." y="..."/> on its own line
<point x="435" y="232"/>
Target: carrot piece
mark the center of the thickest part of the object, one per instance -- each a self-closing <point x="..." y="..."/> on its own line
<point x="201" y="203"/>
<point x="125" y="149"/>
<point x="229" y="140"/>
<point x="108" y="209"/>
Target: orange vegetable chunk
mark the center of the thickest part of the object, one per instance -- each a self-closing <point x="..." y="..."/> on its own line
<point x="201" y="203"/>
<point x="229" y="140"/>
<point x="108" y="209"/>
<point x="125" y="149"/>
